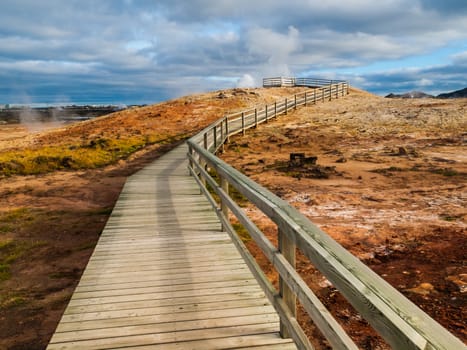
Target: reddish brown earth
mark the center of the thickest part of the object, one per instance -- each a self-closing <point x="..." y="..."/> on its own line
<point x="393" y="193"/>
<point x="50" y="223"/>
<point x="407" y="223"/>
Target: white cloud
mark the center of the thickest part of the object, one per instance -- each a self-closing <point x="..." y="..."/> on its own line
<point x="247" y="81"/>
<point x="425" y="82"/>
<point x="154" y="44"/>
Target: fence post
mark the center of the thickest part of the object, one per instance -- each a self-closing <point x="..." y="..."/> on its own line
<point x="337" y="91"/>
<point x="243" y="123"/>
<point x="221" y="125"/>
<point x="266" y="113"/>
<point x="286" y="106"/>
<point x="256" y="117"/>
<point x="305" y="99"/>
<point x="287" y="249"/>
<point x="215" y="137"/>
<point x="190" y="152"/>
<point x="227" y="135"/>
<point x="295" y="101"/>
<point x="202" y="162"/>
<point x="275" y="109"/>
<point x="330" y="92"/>
<point x="224" y="207"/>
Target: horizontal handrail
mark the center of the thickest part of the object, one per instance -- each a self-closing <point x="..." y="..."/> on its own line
<point x="290" y="81"/>
<point x="400" y="322"/>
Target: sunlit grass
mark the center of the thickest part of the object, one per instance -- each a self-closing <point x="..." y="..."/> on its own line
<point x="93" y="154"/>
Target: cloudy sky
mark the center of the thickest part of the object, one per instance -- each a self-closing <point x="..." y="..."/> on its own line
<point x="142" y="51"/>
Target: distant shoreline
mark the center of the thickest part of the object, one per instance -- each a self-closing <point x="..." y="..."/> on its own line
<point x="27" y="114"/>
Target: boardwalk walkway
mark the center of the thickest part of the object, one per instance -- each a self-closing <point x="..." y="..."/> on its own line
<point x="164" y="275"/>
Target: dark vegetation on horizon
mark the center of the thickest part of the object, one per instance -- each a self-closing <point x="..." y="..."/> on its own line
<point x="419" y="94"/>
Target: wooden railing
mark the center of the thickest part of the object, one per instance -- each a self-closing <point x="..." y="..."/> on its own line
<point x="290" y="82"/>
<point x="400" y="322"/>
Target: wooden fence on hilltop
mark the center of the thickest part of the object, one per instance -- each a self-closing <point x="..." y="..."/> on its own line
<point x="291" y="82"/>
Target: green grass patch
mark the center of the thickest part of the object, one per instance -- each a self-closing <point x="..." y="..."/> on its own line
<point x="92" y="154"/>
<point x="4" y="272"/>
<point x="10" y="251"/>
<point x="11" y="300"/>
<point x="10" y="219"/>
<point x="242" y="232"/>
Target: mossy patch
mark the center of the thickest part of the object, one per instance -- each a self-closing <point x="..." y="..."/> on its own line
<point x="242" y="232"/>
<point x="93" y="153"/>
<point x="10" y="251"/>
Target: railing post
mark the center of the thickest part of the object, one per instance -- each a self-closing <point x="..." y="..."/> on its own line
<point x="287" y="249"/>
<point x="275" y="109"/>
<point x="305" y="99"/>
<point x="266" y="113"/>
<point x="221" y="124"/>
<point x="224" y="206"/>
<point x="215" y="137"/>
<point x="286" y="106"/>
<point x="330" y="92"/>
<point x="256" y="117"/>
<point x="337" y="90"/>
<point x="190" y="152"/>
<point x="322" y="90"/>
<point x="243" y="123"/>
<point x="202" y="162"/>
<point x="295" y="101"/>
<point x="227" y="134"/>
<point x="314" y="96"/>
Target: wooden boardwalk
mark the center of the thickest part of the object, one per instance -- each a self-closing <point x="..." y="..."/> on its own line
<point x="164" y="276"/>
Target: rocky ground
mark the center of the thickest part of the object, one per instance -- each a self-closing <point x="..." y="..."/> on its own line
<point x="388" y="184"/>
<point x="386" y="179"/>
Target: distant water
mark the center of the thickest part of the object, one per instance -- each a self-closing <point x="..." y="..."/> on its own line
<point x="41" y="112"/>
<point x="61" y="105"/>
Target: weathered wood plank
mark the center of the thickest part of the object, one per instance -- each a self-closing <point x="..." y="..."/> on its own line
<point x="165" y="310"/>
<point x="156" y="327"/>
<point x="246" y="341"/>
<point x="153" y="319"/>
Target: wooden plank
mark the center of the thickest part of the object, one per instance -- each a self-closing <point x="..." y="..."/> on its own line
<point x="168" y="337"/>
<point x="153" y="318"/>
<point x="165" y="310"/>
<point x="155" y="326"/>
<point x="248" y="342"/>
<point x="235" y="276"/>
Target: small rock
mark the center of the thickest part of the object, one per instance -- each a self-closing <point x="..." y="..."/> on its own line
<point x="460" y="281"/>
<point x="402" y="151"/>
<point x="423" y="289"/>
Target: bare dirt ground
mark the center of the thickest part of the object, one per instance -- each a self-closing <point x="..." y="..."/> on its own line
<point x="50" y="223"/>
<point x="389" y="184"/>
